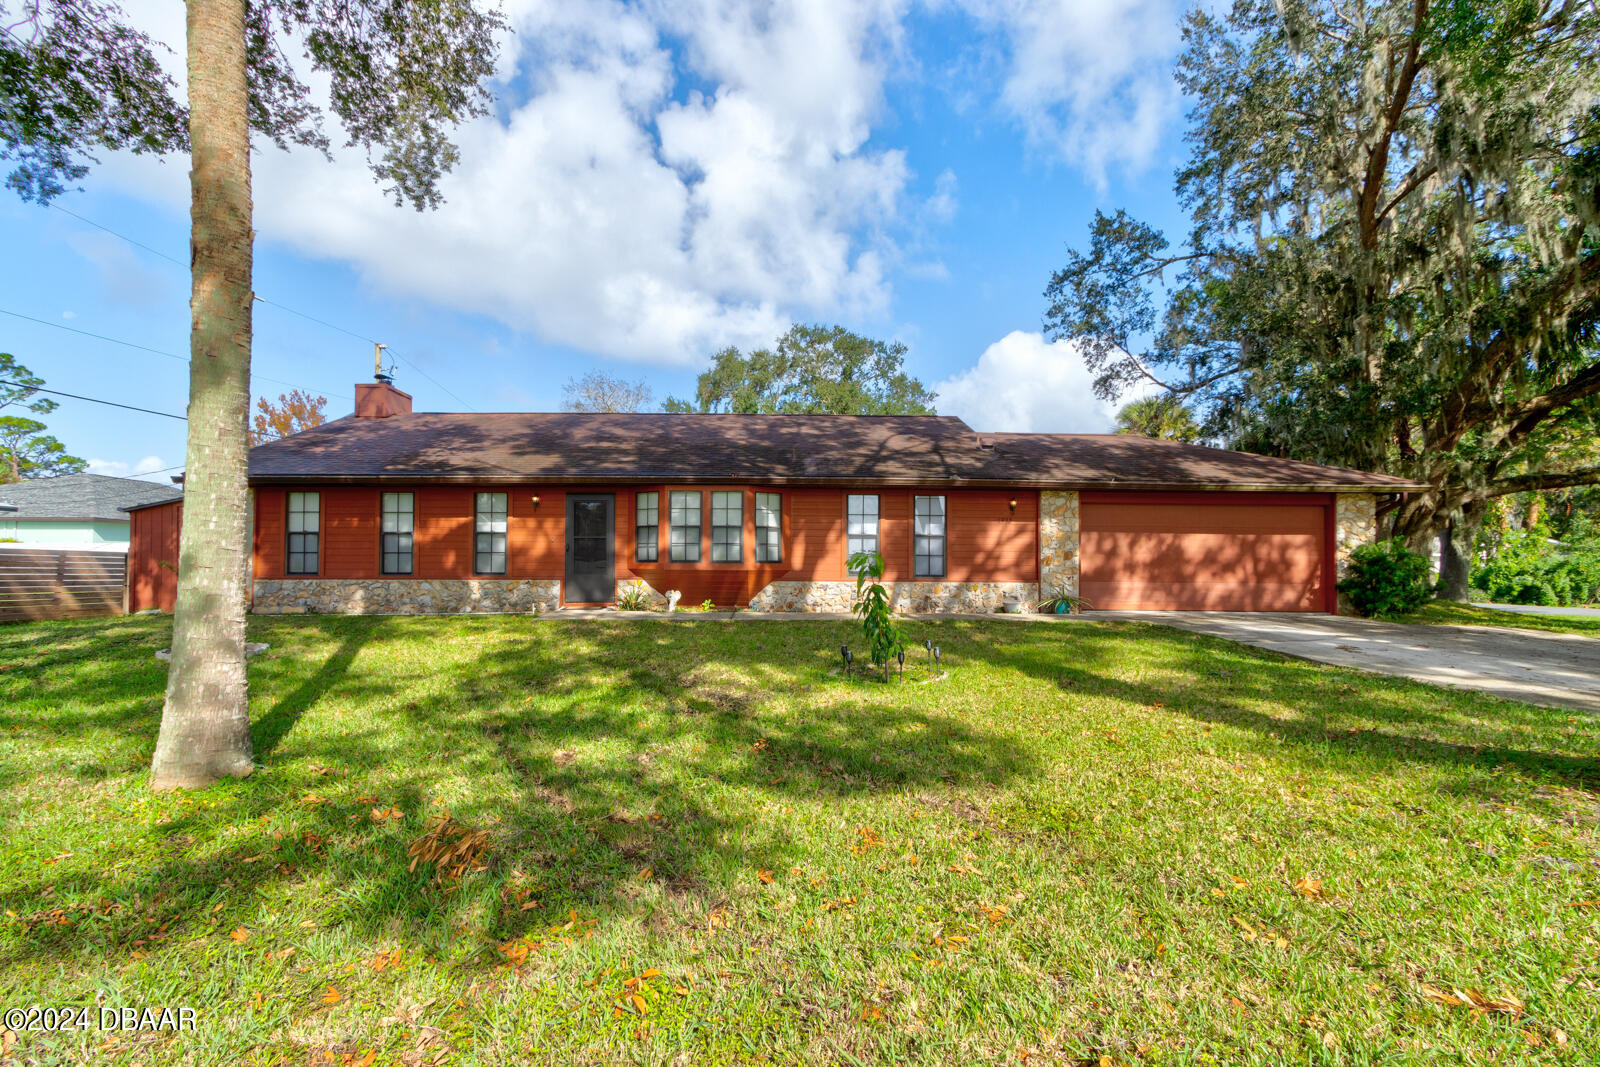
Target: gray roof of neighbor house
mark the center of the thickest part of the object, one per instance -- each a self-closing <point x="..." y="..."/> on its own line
<point x="82" y="497"/>
<point x="771" y="449"/>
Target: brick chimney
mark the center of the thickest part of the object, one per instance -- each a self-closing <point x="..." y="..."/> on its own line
<point x="380" y="399"/>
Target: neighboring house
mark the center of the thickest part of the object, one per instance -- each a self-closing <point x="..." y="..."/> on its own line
<point x="390" y="511"/>
<point x="76" y="509"/>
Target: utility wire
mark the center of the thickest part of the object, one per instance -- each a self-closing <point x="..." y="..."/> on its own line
<point x="363" y="337"/>
<point x="93" y="400"/>
<point x="144" y="348"/>
<point x="114" y="233"/>
<point x="274" y="303"/>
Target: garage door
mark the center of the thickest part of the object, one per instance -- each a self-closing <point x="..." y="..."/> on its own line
<point x="1204" y="552"/>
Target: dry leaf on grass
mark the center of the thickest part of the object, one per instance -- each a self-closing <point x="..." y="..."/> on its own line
<point x="332" y="996"/>
<point x="1310" y="888"/>
<point x="452" y="848"/>
<point x="765" y="875"/>
<point x="1471" y="999"/>
<point x="240" y="934"/>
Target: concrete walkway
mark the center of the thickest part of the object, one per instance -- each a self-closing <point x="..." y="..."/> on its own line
<point x="1557" y="670"/>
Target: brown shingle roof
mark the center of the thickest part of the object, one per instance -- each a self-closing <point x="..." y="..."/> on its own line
<point x="773" y="449"/>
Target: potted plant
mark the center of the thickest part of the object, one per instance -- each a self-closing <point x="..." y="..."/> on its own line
<point x="1061" y="602"/>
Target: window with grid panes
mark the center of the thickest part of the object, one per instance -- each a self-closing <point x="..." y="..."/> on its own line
<point x="861" y="524"/>
<point x="305" y="532"/>
<point x="646" y="527"/>
<point x="727" y="527"/>
<point x="683" y="530"/>
<point x="769" y="528"/>
<point x="396" y="533"/>
<point x="489" y="534"/>
<point x="928" y="536"/>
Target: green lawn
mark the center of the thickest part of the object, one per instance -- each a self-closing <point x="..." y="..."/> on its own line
<point x="1447" y="613"/>
<point x="1090" y="843"/>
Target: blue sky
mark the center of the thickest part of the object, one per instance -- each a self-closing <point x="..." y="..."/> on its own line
<point x="660" y="180"/>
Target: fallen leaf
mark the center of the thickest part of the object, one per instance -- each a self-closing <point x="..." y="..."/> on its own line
<point x="646" y="874"/>
<point x="332" y="996"/>
<point x="1310" y="888"/>
<point x="638" y="1003"/>
<point x="241" y="934"/>
<point x="765" y="875"/>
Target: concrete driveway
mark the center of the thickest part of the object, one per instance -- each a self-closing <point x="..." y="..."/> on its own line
<point x="1559" y="670"/>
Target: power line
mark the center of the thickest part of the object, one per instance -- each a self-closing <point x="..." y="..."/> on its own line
<point x="93" y="400"/>
<point x="145" y="348"/>
<point x="123" y="236"/>
<point x="363" y="337"/>
<point x="274" y="303"/>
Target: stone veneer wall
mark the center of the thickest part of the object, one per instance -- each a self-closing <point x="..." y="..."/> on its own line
<point x="923" y="598"/>
<point x="1355" y="523"/>
<point x="1058" y="542"/>
<point x="403" y="596"/>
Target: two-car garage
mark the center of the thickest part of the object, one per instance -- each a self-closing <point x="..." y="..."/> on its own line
<point x="1206" y="551"/>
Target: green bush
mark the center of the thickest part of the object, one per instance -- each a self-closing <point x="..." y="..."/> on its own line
<point x="1387" y="579"/>
<point x="1528" y="569"/>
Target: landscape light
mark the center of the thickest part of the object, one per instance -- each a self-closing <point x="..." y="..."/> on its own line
<point x="902" y="658"/>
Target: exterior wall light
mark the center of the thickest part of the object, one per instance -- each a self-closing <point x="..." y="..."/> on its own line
<point x="536" y="502"/>
<point x="1013" y="504"/>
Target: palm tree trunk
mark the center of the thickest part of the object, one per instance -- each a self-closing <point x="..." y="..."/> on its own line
<point x="205" y="725"/>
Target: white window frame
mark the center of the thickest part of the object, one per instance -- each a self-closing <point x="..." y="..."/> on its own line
<point x="491" y="526"/>
<point x="861" y="523"/>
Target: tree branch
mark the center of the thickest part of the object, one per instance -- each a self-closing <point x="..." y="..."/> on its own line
<point x="1524" y="483"/>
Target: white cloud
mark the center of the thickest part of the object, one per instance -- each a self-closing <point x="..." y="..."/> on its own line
<point x="1025" y="384"/>
<point x="117" y="468"/>
<point x="666" y="177"/>
<point x="610" y="208"/>
<point x="1090" y="79"/>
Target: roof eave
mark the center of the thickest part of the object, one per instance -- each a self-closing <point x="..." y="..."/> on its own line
<point x="669" y="477"/>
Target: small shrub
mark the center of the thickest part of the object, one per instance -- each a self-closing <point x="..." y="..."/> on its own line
<point x="1387" y="579"/>
<point x="708" y="605"/>
<point x="1527" y="568"/>
<point x="872" y="607"/>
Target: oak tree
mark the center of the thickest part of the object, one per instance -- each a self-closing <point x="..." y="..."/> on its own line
<point x="76" y="77"/>
<point x="812" y="370"/>
<point x="1393" y="260"/>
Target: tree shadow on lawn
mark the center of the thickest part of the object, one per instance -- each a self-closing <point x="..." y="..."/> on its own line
<point x="589" y="751"/>
<point x="1330" y="720"/>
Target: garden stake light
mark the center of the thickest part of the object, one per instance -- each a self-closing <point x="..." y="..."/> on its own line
<point x="902" y="657"/>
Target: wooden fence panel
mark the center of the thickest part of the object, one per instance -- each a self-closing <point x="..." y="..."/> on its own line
<point x="60" y="583"/>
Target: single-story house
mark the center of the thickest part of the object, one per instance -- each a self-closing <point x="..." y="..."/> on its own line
<point x="390" y="511"/>
<point x="76" y="510"/>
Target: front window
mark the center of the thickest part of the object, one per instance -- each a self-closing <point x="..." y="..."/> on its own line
<point x="928" y="536"/>
<point x="489" y="534"/>
<point x="861" y="524"/>
<point x="647" y="527"/>
<point x="727" y="527"/>
<point x="305" y="532"/>
<point x="769" y="528"/>
<point x="397" y="526"/>
<point x="684" y="532"/>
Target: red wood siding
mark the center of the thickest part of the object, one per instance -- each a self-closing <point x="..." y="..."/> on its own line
<point x="1206" y="552"/>
<point x="153" y="556"/>
<point x="986" y="542"/>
